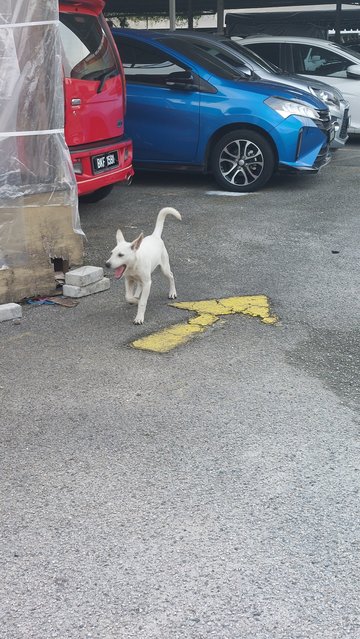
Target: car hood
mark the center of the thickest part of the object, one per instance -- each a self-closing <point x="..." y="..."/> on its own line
<point x="308" y="82"/>
<point x="278" y="89"/>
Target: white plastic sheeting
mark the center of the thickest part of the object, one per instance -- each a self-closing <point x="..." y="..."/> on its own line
<point x="34" y="157"/>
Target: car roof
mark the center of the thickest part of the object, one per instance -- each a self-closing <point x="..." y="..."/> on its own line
<point x="149" y="34"/>
<point x="327" y="44"/>
<point x="134" y="32"/>
<point x="156" y="34"/>
<point x="286" y="38"/>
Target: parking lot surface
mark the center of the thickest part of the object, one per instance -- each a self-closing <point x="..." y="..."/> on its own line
<point x="212" y="490"/>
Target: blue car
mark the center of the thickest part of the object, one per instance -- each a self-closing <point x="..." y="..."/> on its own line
<point x="191" y="108"/>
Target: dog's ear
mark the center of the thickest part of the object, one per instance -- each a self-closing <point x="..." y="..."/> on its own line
<point x="136" y="243"/>
<point x="119" y="236"/>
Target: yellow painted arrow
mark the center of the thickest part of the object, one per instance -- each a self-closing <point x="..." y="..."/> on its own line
<point x="208" y="312"/>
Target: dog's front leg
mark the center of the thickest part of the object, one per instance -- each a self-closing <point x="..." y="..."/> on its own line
<point x="139" y="319"/>
<point x="129" y="291"/>
<point x="138" y="290"/>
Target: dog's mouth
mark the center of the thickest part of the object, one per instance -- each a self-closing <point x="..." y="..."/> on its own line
<point x="119" y="272"/>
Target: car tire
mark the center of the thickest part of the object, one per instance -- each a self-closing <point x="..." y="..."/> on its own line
<point x="96" y="196"/>
<point x="242" y="161"/>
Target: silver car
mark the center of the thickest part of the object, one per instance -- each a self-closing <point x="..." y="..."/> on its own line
<point x="250" y="63"/>
<point x="315" y="59"/>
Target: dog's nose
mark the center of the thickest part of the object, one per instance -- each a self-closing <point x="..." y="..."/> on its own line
<point x="107" y="264"/>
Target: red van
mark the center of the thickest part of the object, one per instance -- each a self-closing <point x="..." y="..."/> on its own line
<point x="95" y="100"/>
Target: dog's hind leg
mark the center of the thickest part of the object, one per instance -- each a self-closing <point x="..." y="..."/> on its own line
<point x="165" y="267"/>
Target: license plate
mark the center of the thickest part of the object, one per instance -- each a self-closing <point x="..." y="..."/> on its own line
<point x="331" y="134"/>
<point x="105" y="162"/>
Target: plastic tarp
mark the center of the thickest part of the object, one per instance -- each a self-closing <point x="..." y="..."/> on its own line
<point x="34" y="157"/>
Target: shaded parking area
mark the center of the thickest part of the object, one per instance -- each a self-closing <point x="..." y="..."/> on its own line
<point x="211" y="491"/>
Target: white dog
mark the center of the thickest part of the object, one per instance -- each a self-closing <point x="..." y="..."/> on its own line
<point x="138" y="259"/>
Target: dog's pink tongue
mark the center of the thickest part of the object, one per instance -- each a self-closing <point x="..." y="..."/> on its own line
<point x="119" y="272"/>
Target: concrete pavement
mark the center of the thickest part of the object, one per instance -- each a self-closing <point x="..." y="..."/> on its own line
<point x="211" y="491"/>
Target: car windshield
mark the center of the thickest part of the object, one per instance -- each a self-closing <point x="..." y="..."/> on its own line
<point x="213" y="57"/>
<point x="252" y="56"/>
<point x="87" y="53"/>
<point x="343" y="49"/>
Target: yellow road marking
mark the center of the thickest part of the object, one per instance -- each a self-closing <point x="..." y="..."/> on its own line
<point x="14" y="338"/>
<point x="208" y="312"/>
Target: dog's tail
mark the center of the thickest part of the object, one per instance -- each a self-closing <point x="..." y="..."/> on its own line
<point x="168" y="210"/>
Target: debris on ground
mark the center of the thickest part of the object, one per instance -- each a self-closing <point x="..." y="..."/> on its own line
<point x="58" y="299"/>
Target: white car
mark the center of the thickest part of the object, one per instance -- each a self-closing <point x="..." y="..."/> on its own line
<point x="314" y="58"/>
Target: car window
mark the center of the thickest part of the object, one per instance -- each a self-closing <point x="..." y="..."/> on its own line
<point x="86" y="51"/>
<point x="345" y="49"/>
<point x="215" y="59"/>
<point x="214" y="52"/>
<point x="144" y="63"/>
<point x="269" y="51"/>
<point x="319" y="61"/>
<point x="251" y="56"/>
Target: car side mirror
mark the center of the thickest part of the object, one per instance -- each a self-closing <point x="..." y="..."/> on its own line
<point x="353" y="72"/>
<point x="180" y="80"/>
<point x="245" y="71"/>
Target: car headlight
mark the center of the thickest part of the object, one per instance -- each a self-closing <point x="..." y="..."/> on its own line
<point x="325" y="96"/>
<point x="285" y="108"/>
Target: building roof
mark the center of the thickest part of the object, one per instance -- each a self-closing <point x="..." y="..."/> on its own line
<point x="199" y="7"/>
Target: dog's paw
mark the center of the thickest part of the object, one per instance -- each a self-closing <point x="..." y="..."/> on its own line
<point x="138" y="320"/>
<point x="172" y="296"/>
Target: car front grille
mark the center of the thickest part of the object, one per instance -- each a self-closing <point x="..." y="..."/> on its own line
<point x="324" y="123"/>
<point x="345" y="124"/>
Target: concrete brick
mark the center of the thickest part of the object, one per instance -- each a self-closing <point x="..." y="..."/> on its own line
<point x="82" y="291"/>
<point x="84" y="275"/>
<point x="10" y="311"/>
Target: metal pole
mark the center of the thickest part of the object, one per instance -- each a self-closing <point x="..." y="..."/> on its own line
<point x="190" y="15"/>
<point x="338" y="22"/>
<point x="220" y="16"/>
<point x="172" y="14"/>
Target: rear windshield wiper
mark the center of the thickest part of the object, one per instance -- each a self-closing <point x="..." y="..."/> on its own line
<point x="104" y="76"/>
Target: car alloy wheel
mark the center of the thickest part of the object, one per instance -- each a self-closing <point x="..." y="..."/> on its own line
<point x="242" y="161"/>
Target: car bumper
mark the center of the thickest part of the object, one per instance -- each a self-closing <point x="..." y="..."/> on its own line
<point x="305" y="143"/>
<point x="341" y="122"/>
<point x="87" y="178"/>
<point x="323" y="158"/>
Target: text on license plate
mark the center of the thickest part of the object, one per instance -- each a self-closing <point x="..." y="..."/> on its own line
<point x="332" y="134"/>
<point x="105" y="162"/>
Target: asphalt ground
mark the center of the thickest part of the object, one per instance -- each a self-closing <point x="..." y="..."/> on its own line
<point x="212" y="491"/>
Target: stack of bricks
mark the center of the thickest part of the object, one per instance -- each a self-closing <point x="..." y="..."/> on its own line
<point x="85" y="280"/>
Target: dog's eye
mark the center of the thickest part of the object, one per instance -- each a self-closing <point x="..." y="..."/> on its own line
<point x="120" y="255"/>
